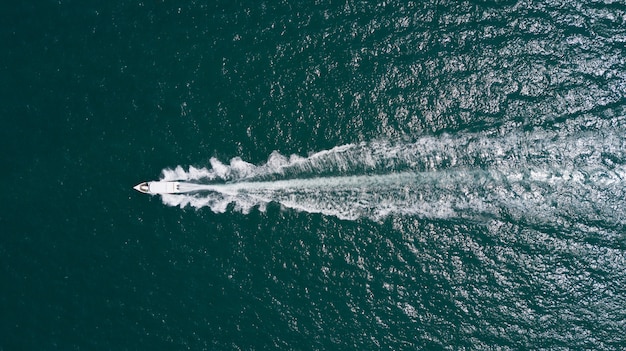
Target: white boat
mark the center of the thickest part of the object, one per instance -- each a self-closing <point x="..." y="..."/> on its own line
<point x="158" y="187"/>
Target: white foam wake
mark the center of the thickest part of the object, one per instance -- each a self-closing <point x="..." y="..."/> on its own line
<point x="539" y="176"/>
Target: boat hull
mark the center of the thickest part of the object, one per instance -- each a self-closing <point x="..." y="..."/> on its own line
<point x="158" y="187"/>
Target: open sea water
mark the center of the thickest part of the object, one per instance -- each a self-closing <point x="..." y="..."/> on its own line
<point x="390" y="175"/>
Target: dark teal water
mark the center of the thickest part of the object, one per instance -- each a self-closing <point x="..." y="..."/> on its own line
<point x="459" y="180"/>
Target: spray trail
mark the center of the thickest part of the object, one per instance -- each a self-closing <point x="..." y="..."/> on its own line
<point x="572" y="174"/>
